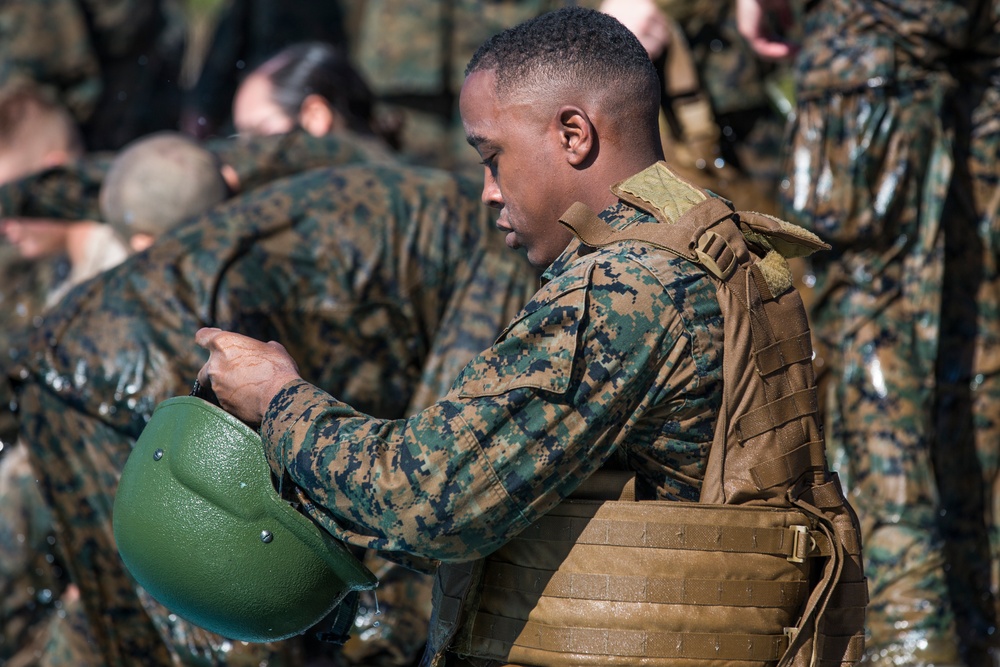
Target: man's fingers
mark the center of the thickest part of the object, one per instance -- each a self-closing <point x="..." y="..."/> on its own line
<point x="204" y="336"/>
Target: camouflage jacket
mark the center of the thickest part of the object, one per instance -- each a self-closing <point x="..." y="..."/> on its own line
<point x="619" y="353"/>
<point x="851" y="45"/>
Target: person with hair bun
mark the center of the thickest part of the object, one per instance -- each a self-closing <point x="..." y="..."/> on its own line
<point x="311" y="85"/>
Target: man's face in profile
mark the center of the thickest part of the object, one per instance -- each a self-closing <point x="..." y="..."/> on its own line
<point x="521" y="156"/>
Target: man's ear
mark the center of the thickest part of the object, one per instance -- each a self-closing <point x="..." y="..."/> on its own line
<point x="577" y="134"/>
<point x="318" y="118"/>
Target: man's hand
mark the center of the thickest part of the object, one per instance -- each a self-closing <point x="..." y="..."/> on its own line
<point x="645" y="20"/>
<point x="244" y="373"/>
<point x="762" y="22"/>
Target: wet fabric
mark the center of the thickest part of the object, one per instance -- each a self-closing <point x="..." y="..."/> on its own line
<point x="71" y="192"/>
<point x="380" y="281"/>
<point x="893" y="160"/>
<point x="26" y="545"/>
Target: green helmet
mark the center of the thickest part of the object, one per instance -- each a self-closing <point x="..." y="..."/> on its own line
<point x="200" y="526"/>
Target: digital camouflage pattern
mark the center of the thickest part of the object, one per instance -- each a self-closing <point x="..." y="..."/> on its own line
<point x="380" y="281"/>
<point x="115" y="64"/>
<point x="617" y="357"/>
<point x="893" y="161"/>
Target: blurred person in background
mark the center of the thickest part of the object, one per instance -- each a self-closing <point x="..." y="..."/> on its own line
<point x="311" y="86"/>
<point x="157" y="182"/>
<point x="152" y="185"/>
<point x="892" y="159"/>
<point x="245" y="34"/>
<point x="41" y="260"/>
<point x="384" y="280"/>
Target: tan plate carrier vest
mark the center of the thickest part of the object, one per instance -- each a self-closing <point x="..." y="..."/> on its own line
<point x="764" y="570"/>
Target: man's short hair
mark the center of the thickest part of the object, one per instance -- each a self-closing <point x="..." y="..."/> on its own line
<point x="576" y="47"/>
<point x="157" y="182"/>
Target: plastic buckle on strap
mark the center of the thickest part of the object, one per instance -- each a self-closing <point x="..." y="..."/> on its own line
<point x="800" y="544"/>
<point x="711" y="249"/>
<point x="790" y="634"/>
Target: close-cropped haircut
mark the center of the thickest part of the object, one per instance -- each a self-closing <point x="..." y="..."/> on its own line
<point x="158" y="181"/>
<point x="574" y="46"/>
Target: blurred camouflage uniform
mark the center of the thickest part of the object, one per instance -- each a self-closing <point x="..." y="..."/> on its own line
<point x="741" y="158"/>
<point x="413" y="55"/>
<point x="380" y="281"/>
<point x="26" y="545"/>
<point x="115" y="64"/>
<point x="894" y="161"/>
<point x="23" y="286"/>
<point x="70" y="192"/>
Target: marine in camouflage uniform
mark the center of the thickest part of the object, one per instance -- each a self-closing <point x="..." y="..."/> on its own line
<point x="382" y="282"/>
<point x="617" y="359"/>
<point x="893" y="160"/>
<point x="622" y="335"/>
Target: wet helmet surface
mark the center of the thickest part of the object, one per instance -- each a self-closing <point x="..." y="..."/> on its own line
<point x="200" y="526"/>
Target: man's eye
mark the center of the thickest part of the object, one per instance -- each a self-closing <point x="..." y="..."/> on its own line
<point x="490" y="162"/>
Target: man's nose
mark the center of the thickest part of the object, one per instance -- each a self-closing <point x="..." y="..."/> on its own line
<point x="491" y="191"/>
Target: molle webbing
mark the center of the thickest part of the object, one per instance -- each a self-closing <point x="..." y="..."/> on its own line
<point x="764" y="570"/>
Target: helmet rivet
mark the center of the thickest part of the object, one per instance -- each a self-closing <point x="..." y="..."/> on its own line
<point x="266" y="536"/>
<point x="158" y="454"/>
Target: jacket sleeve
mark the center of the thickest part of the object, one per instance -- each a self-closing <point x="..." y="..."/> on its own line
<point x="526" y="422"/>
